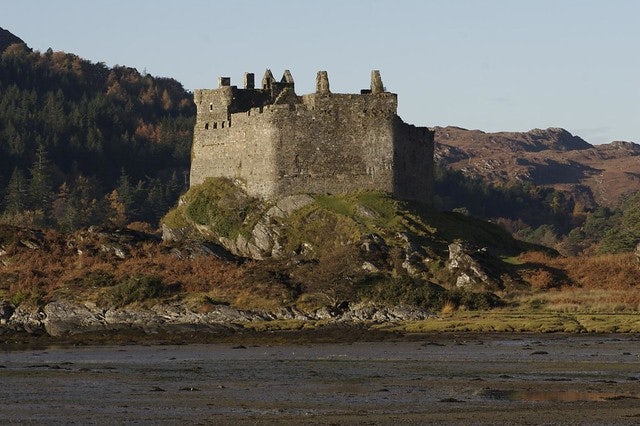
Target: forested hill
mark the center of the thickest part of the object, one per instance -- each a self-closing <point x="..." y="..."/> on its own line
<point x="72" y="132"/>
<point x="7" y="39"/>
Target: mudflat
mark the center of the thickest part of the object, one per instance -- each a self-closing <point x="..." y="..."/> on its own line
<point x="442" y="378"/>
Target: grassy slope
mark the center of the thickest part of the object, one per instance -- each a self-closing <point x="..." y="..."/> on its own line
<point x="326" y="236"/>
<point x="556" y="286"/>
<point x="332" y="220"/>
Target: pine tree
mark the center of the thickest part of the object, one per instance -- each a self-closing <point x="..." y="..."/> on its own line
<point x="63" y="211"/>
<point x="126" y="194"/>
<point x="15" y="198"/>
<point x="116" y="215"/>
<point x="172" y="191"/>
<point x="40" y="186"/>
<point x="154" y="203"/>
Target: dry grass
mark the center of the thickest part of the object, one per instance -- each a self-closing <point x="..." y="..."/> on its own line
<point x="573" y="300"/>
<point x="58" y="270"/>
<point x="516" y="321"/>
<point x="611" y="271"/>
<point x="77" y="267"/>
<point x="605" y="283"/>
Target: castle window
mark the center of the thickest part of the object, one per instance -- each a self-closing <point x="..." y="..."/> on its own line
<point x="223" y="124"/>
<point x="210" y="107"/>
<point x="215" y="125"/>
<point x="206" y="126"/>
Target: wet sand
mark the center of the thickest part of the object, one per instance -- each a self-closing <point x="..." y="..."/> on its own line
<point x="438" y="379"/>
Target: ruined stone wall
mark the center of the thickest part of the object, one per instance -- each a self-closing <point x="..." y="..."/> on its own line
<point x="413" y="162"/>
<point x="336" y="143"/>
<point x="242" y="149"/>
<point x="278" y="143"/>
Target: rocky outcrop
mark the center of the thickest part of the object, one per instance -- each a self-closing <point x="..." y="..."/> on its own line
<point x="116" y="242"/>
<point x="66" y="317"/>
<point x="471" y="267"/>
<point x="263" y="240"/>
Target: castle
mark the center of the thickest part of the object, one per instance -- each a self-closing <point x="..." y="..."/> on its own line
<point x="278" y="143"/>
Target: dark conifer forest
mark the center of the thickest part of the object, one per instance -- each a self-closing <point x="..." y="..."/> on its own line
<point x="84" y="144"/>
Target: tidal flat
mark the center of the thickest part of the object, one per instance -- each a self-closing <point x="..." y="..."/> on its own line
<point x="446" y="378"/>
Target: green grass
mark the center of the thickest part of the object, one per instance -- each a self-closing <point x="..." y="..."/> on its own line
<point x="218" y="204"/>
<point x="335" y="204"/>
<point x="513" y="321"/>
<point x="227" y="211"/>
<point x="512" y="260"/>
<point x="324" y="229"/>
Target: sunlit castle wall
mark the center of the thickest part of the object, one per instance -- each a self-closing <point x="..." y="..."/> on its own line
<point x="278" y="143"/>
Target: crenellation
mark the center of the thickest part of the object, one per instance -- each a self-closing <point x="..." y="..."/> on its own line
<point x="287" y="77"/>
<point x="322" y="83"/>
<point x="280" y="143"/>
<point x="376" y="83"/>
<point x="249" y="81"/>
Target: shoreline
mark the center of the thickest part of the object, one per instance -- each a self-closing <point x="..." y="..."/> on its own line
<point x="20" y="340"/>
<point x="66" y="323"/>
<point x="11" y="340"/>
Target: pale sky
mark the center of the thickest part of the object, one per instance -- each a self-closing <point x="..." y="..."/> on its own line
<point x="492" y="65"/>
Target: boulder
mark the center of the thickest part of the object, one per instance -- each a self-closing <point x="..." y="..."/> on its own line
<point x="27" y="320"/>
<point x="471" y="267"/>
<point x="174" y="235"/>
<point x="64" y="317"/>
<point x="370" y="267"/>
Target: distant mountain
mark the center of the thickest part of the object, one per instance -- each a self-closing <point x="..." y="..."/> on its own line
<point x="7" y="39"/>
<point x="593" y="174"/>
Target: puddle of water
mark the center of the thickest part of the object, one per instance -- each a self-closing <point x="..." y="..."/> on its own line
<point x="553" y="396"/>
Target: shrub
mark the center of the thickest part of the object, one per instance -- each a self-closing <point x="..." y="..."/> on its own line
<point x="473" y="300"/>
<point x="133" y="289"/>
<point x="405" y="290"/>
<point x="93" y="279"/>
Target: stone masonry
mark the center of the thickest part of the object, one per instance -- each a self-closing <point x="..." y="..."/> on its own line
<point x="278" y="143"/>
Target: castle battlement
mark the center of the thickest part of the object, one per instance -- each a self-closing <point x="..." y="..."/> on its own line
<point x="279" y="143"/>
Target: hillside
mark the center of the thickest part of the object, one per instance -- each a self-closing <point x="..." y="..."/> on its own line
<point x="72" y="132"/>
<point x="7" y="39"/>
<point x="360" y="259"/>
<point x="318" y="256"/>
<point x="592" y="174"/>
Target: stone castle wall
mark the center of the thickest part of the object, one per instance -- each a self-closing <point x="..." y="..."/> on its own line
<point x="278" y="143"/>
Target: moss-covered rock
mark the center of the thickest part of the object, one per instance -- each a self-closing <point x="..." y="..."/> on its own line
<point x="345" y="246"/>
